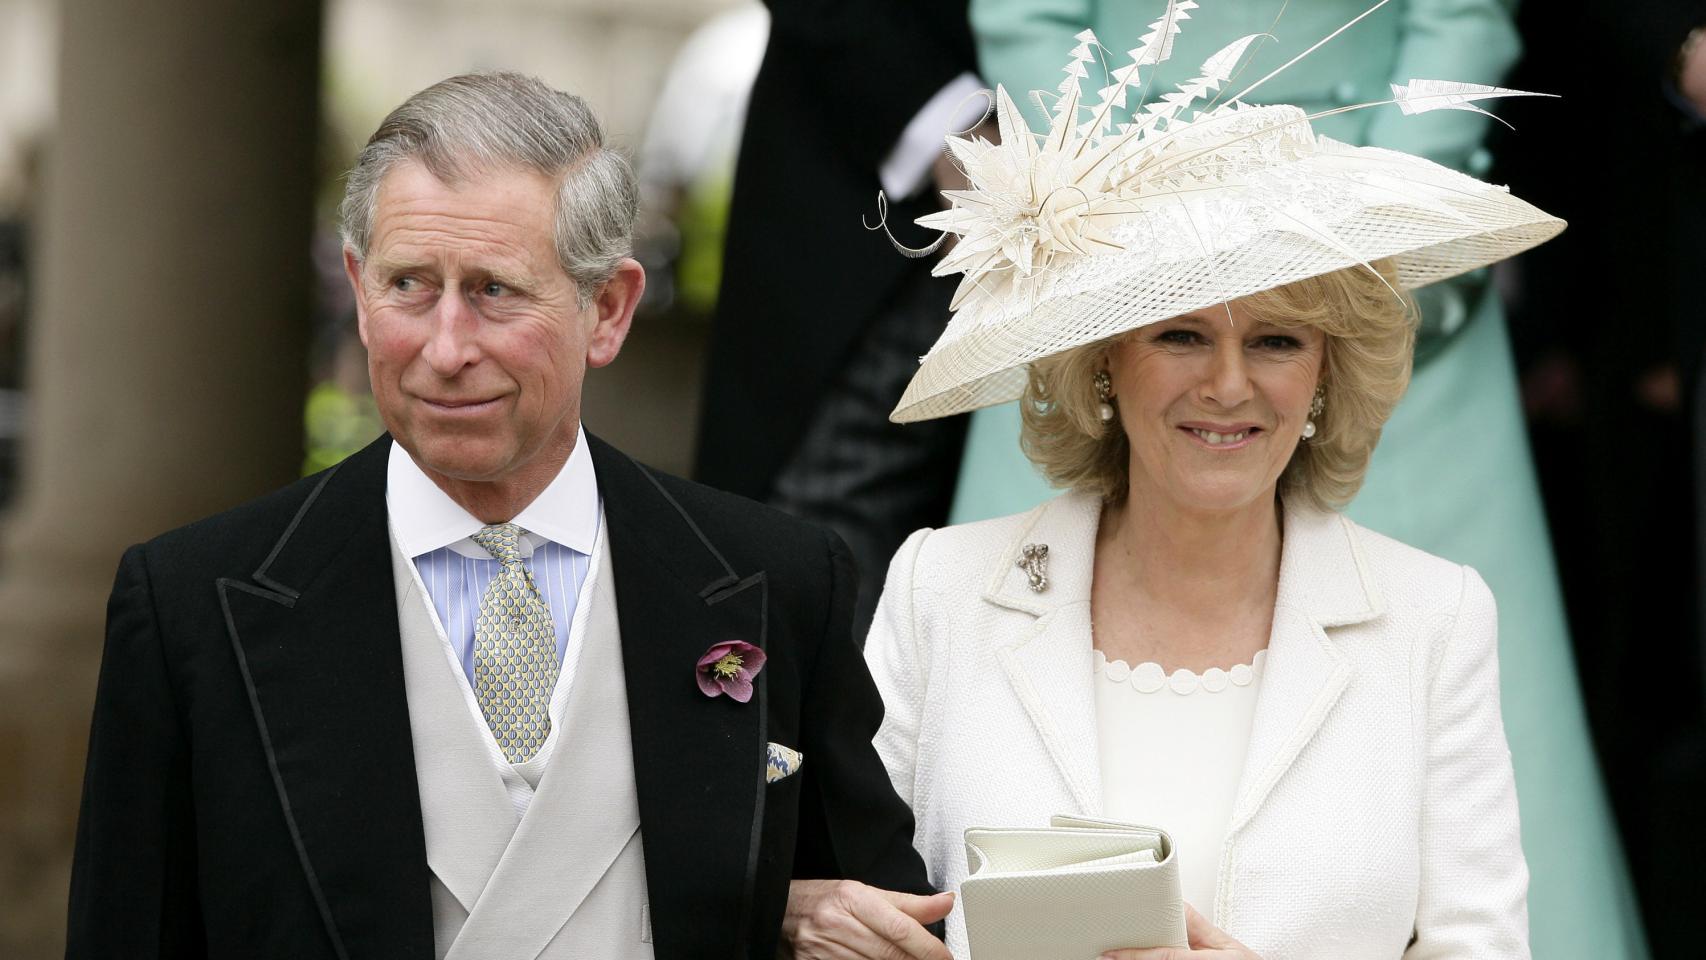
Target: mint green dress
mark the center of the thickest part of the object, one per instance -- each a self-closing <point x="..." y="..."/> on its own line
<point x="1452" y="474"/>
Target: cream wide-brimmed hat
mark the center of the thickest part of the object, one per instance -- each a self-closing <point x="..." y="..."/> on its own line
<point x="1096" y="228"/>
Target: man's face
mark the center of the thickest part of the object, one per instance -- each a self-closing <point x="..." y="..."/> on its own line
<point x="476" y="342"/>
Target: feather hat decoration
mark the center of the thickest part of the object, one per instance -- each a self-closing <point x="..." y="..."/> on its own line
<point x="1101" y="225"/>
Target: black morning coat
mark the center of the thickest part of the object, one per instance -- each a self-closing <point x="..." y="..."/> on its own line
<point x="802" y="277"/>
<point x="251" y="791"/>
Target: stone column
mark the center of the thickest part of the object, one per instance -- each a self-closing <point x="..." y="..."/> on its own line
<point x="166" y="361"/>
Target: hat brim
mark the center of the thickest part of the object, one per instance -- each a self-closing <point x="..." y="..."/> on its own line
<point x="1439" y="225"/>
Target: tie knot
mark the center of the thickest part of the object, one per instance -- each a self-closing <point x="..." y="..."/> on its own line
<point x="502" y="541"/>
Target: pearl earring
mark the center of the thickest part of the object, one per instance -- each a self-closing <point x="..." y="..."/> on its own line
<point x="1104" y="392"/>
<point x="1316" y="405"/>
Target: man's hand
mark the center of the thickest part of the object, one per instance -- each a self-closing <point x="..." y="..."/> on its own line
<point x="847" y="920"/>
<point x="1207" y="942"/>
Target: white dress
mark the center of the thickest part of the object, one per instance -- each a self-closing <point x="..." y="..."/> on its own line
<point x="1171" y="751"/>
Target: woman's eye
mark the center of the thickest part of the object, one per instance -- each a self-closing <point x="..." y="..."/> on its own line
<point x="1177" y="337"/>
<point x="1279" y="342"/>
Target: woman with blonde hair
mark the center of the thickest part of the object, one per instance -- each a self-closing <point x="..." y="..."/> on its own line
<point x="1204" y="314"/>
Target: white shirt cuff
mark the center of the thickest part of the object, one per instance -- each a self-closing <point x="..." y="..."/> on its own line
<point x="955" y="107"/>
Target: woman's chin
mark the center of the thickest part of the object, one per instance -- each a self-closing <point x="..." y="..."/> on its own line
<point x="1221" y="494"/>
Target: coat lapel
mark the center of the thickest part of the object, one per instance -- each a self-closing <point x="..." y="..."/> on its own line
<point x="1323" y="583"/>
<point x="1051" y="669"/>
<point x="315" y="634"/>
<point x="698" y="761"/>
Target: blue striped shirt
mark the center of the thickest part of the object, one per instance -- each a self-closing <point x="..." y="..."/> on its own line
<point x="560" y="531"/>
<point x="457" y="583"/>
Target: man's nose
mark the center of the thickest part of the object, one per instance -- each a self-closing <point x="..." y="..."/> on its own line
<point x="450" y="345"/>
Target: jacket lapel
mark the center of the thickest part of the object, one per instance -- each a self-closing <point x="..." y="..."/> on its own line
<point x="698" y="761"/>
<point x="315" y="634"/>
<point x="1051" y="668"/>
<point x="1323" y="584"/>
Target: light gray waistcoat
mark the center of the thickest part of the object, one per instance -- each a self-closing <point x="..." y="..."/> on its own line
<point x="569" y="879"/>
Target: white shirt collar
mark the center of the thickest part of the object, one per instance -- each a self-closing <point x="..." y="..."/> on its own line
<point x="424" y="517"/>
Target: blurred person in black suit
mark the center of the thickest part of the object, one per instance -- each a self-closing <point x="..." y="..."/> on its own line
<point x="1688" y="88"/>
<point x="1609" y="325"/>
<point x="806" y="362"/>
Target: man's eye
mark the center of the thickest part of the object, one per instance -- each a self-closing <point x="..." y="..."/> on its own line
<point x="494" y="289"/>
<point x="406" y="284"/>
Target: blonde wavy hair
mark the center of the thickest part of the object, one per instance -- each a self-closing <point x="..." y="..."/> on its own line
<point x="1370" y="336"/>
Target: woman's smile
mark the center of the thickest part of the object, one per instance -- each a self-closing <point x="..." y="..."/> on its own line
<point x="1222" y="437"/>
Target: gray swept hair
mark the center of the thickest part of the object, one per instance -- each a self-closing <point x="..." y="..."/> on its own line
<point x="481" y="122"/>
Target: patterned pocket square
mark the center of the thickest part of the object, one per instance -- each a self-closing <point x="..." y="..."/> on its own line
<point x="781" y="763"/>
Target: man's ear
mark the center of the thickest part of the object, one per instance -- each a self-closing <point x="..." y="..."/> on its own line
<point x="352" y="270"/>
<point x="614" y="307"/>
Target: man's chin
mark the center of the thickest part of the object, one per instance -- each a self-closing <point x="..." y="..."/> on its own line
<point x="469" y="461"/>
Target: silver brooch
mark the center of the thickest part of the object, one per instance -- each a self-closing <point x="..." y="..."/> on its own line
<point x="1034" y="561"/>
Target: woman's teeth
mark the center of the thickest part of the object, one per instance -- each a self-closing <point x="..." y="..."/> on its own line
<point x="1216" y="439"/>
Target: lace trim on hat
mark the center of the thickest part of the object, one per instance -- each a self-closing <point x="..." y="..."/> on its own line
<point x="1149" y="677"/>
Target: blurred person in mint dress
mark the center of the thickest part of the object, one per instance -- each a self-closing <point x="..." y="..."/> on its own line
<point x="1452" y="474"/>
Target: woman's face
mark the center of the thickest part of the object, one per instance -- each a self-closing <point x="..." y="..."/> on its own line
<point x="1214" y="404"/>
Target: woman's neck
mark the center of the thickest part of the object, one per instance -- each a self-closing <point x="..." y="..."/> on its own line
<point x="1185" y="588"/>
<point x="1179" y="550"/>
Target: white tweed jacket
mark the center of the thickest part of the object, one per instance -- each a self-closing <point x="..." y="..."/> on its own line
<point x="1376" y="814"/>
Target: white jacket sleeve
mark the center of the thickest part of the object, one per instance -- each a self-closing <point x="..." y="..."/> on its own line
<point x="1473" y="900"/>
<point x="901" y="673"/>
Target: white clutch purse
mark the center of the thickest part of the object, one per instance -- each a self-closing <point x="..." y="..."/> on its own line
<point x="1071" y="890"/>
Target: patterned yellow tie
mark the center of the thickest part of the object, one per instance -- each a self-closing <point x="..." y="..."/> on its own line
<point x="515" y="650"/>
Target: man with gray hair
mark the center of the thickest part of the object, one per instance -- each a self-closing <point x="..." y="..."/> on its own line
<point x="489" y="688"/>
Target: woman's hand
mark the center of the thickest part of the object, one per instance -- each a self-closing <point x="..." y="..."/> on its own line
<point x="847" y="920"/>
<point x="1207" y="942"/>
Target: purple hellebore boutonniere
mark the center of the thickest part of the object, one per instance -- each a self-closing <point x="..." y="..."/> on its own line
<point x="729" y="667"/>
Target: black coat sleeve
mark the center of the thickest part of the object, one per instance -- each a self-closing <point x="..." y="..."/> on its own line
<point x="133" y="878"/>
<point x="852" y="823"/>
